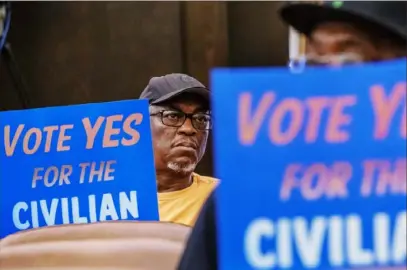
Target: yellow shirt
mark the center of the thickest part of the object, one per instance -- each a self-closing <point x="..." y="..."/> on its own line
<point x="183" y="206"/>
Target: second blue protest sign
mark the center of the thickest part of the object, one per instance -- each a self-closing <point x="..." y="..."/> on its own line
<point x="76" y="164"/>
<point x="313" y="167"/>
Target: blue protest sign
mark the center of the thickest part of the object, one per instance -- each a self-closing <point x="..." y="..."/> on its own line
<point x="76" y="164"/>
<point x="313" y="167"/>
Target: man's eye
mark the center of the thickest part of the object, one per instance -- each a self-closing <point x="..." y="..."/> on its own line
<point x="202" y="118"/>
<point x="172" y="115"/>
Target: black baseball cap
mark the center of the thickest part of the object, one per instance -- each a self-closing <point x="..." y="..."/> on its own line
<point x="163" y="88"/>
<point x="388" y="16"/>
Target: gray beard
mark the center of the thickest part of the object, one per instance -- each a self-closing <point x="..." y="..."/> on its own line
<point x="181" y="167"/>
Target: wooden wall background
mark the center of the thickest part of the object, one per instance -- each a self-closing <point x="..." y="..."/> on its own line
<point x="80" y="52"/>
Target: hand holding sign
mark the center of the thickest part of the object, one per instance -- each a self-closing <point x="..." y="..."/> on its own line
<point x="77" y="164"/>
<point x="321" y="182"/>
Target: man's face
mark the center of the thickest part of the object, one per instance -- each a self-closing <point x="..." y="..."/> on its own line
<point x="336" y="43"/>
<point x="179" y="148"/>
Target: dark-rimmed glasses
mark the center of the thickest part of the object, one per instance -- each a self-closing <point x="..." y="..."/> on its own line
<point x="297" y="65"/>
<point x="171" y="118"/>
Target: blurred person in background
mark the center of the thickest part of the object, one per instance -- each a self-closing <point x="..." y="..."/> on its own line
<point x="337" y="33"/>
<point x="344" y="32"/>
<point x="180" y="125"/>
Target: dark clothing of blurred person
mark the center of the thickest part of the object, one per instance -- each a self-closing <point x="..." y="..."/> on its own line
<point x="201" y="250"/>
<point x="338" y="33"/>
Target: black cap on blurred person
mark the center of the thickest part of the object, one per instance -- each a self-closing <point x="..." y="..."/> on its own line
<point x="387" y="16"/>
<point x="160" y="89"/>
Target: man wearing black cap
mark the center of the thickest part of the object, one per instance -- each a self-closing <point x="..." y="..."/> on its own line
<point x="338" y="32"/>
<point x="180" y="124"/>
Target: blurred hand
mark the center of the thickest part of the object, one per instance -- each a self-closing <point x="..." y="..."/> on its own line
<point x="110" y="245"/>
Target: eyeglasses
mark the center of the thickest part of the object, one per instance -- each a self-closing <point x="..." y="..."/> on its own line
<point x="299" y="64"/>
<point x="200" y="121"/>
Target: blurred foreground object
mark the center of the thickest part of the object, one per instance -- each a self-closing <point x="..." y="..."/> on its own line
<point x="5" y="19"/>
<point x="108" y="245"/>
<point x="2" y="17"/>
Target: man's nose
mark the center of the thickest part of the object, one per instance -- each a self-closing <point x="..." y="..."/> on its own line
<point x="187" y="128"/>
